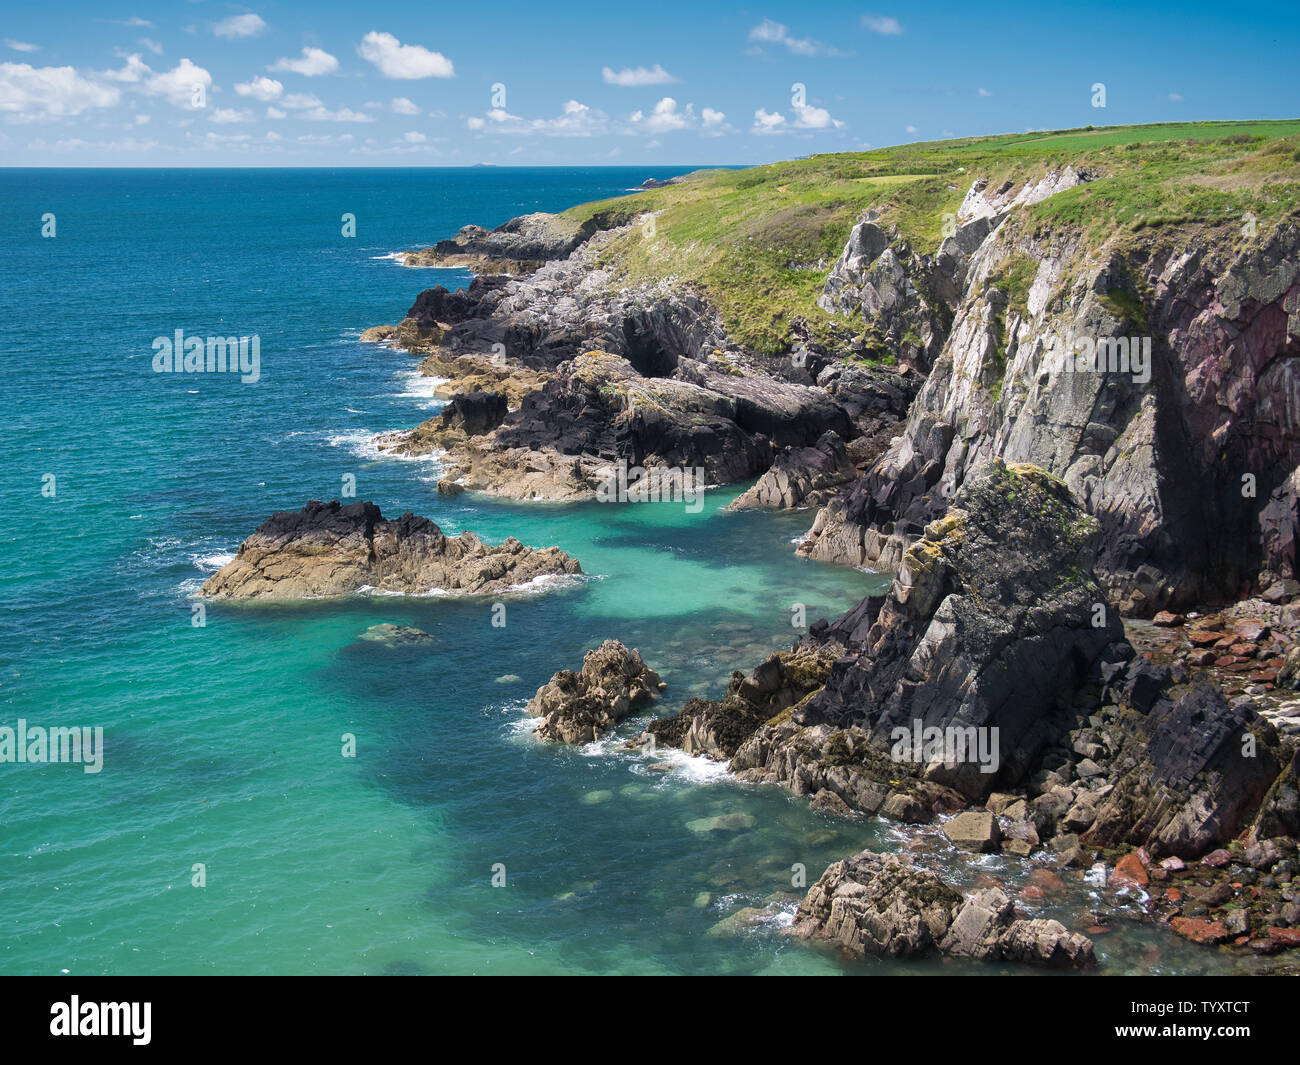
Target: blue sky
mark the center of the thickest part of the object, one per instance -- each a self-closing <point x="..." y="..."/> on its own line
<point x="288" y="83"/>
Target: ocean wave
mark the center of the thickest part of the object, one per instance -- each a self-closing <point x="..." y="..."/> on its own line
<point x="213" y="561"/>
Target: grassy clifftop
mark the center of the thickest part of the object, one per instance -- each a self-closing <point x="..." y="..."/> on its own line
<point x="761" y="241"/>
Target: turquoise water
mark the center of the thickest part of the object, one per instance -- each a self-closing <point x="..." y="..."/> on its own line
<point x="223" y="743"/>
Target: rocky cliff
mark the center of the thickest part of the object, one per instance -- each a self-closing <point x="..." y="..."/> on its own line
<point x="1183" y="443"/>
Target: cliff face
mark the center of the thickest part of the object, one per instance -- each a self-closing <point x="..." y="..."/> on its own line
<point x="1189" y="460"/>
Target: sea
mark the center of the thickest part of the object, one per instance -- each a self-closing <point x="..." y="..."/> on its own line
<point x="280" y="794"/>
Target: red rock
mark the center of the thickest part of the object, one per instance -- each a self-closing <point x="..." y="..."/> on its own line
<point x="1289" y="937"/>
<point x="1245" y="650"/>
<point x="1217" y="859"/>
<point x="1201" y="657"/>
<point x="1130" y="870"/>
<point x="1167" y="620"/>
<point x="1031" y="891"/>
<point x="1264" y="676"/>
<point x="1174" y="895"/>
<point x="1097" y="930"/>
<point x="1045" y="881"/>
<point x="1251" y="629"/>
<point x="1202" y="637"/>
<point x="1226" y="643"/>
<point x="1199" y="931"/>
<point x="1173" y="864"/>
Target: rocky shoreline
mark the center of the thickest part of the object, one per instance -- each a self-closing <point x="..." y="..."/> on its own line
<point x="1095" y="594"/>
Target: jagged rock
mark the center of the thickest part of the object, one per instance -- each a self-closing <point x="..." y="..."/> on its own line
<point x="519" y="246"/>
<point x="881" y="904"/>
<point x="990" y="620"/>
<point x="1157" y="455"/>
<point x="800" y="476"/>
<point x="581" y="707"/>
<point x="1196" y="769"/>
<point x="718" y="728"/>
<point x="327" y="550"/>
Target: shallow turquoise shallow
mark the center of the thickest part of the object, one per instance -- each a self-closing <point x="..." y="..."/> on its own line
<point x="223" y="743"/>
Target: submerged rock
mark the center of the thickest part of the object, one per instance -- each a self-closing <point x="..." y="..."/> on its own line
<point x="327" y="550"/>
<point x="395" y="635"/>
<point x="580" y="707"/>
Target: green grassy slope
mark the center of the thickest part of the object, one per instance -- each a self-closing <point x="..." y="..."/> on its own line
<point x="760" y="242"/>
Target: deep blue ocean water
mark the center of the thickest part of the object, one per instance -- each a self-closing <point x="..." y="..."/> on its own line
<point x="223" y="743"/>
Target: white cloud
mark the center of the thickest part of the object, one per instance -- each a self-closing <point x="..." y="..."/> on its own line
<point x="413" y="137"/>
<point x="154" y="46"/>
<point x="911" y="129"/>
<point x="239" y="26"/>
<point x="136" y="69"/>
<point x="275" y="112"/>
<point x="34" y="92"/>
<point x="312" y="63"/>
<point x="134" y="21"/>
<point x="576" y="120"/>
<point x="985" y="92"/>
<point x="1175" y="98"/>
<point x="299" y="101"/>
<point x="882" y="24"/>
<point x="801" y="118"/>
<point x="665" y="117"/>
<point x="404" y="61"/>
<point x="712" y="117"/>
<point x="178" y="83"/>
<point x="630" y="77"/>
<point x="343" y="114"/>
<point x="21" y="46"/>
<point x="815" y="118"/>
<point x="260" y="88"/>
<point x="402" y="106"/>
<point x="771" y="32"/>
<point x="226" y="115"/>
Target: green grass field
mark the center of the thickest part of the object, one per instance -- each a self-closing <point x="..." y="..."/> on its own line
<point x="760" y="241"/>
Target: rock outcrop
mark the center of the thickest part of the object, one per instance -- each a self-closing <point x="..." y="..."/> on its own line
<point x="1187" y="455"/>
<point x="519" y="246"/>
<point x="327" y="550"/>
<point x="581" y="707"/>
<point x="882" y="904"/>
<point x="801" y="476"/>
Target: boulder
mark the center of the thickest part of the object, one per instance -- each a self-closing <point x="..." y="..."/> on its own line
<point x="581" y="707"/>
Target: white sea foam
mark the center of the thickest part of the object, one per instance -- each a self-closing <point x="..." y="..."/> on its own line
<point x="213" y="561"/>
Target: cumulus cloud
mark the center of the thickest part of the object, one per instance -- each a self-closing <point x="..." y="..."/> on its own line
<point x="882" y="24"/>
<point x="21" y="46"/>
<point x="402" y="106"/>
<point x="230" y="114"/>
<point x="178" y="84"/>
<point x="576" y="120"/>
<point x="800" y="118"/>
<point x="36" y="92"/>
<point x="394" y="59"/>
<point x="631" y="77"/>
<point x="665" y="117"/>
<point x="770" y="31"/>
<point x="260" y="88"/>
<point x="239" y="26"/>
<point x="135" y="70"/>
<point x="311" y="63"/>
<point x="412" y="137"/>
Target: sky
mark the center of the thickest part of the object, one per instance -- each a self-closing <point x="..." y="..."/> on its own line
<point x="380" y="83"/>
